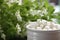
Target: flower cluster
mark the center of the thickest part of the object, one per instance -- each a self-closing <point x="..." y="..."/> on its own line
<point x="9" y="2"/>
<point x="39" y="12"/>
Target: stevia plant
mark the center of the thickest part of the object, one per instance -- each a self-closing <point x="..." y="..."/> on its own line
<point x="8" y="20"/>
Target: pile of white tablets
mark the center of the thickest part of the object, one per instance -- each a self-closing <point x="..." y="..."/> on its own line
<point x="43" y="25"/>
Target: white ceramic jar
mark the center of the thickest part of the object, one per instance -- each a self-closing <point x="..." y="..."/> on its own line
<point x="33" y="34"/>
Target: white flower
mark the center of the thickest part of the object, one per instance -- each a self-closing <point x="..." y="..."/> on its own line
<point x="18" y="16"/>
<point x="20" y="2"/>
<point x="38" y="11"/>
<point x="18" y="28"/>
<point x="31" y="9"/>
<point x="16" y="1"/>
<point x="32" y="0"/>
<point x="35" y="12"/>
<point x="3" y="36"/>
<point x="44" y="11"/>
<point x="9" y="2"/>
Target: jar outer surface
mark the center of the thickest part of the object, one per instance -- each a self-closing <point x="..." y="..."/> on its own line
<point x="43" y="35"/>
